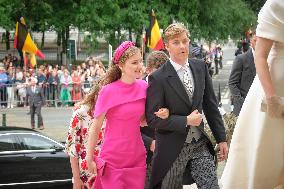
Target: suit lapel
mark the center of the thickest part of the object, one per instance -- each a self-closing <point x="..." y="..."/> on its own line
<point x="176" y="84"/>
<point x="197" y="84"/>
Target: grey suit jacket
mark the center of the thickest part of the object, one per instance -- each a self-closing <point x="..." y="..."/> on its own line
<point x="241" y="78"/>
<point x="37" y="98"/>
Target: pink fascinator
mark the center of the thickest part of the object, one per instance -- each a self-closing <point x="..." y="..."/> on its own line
<point x="121" y="49"/>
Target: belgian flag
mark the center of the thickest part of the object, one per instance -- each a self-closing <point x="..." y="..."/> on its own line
<point x="33" y="60"/>
<point x="153" y="36"/>
<point x="23" y="40"/>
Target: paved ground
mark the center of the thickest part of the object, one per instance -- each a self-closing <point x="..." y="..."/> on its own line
<point x="56" y="120"/>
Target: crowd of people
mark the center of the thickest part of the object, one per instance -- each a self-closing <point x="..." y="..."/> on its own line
<point x="213" y="57"/>
<point x="59" y="85"/>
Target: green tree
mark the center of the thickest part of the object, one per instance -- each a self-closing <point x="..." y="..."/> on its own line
<point x="255" y="5"/>
<point x="9" y="13"/>
<point x="220" y="18"/>
<point x="38" y="14"/>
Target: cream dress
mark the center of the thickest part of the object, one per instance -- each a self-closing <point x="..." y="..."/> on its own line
<point x="256" y="157"/>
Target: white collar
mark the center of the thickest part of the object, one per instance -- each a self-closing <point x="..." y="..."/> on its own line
<point x="178" y="66"/>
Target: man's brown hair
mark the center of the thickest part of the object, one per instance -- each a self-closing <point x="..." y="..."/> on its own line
<point x="174" y="30"/>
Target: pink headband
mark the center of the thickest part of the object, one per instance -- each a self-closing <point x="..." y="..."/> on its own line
<point x="121" y="49"/>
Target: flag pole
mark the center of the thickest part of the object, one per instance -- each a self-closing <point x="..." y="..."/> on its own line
<point x="142" y="46"/>
<point x="25" y="63"/>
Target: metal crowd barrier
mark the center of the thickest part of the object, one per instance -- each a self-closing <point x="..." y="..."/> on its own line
<point x="15" y="95"/>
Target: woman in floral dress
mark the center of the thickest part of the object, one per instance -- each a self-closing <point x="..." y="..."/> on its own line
<point x="76" y="142"/>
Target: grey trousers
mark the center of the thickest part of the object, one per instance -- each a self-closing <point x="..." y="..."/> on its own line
<point x="36" y="110"/>
<point x="201" y="164"/>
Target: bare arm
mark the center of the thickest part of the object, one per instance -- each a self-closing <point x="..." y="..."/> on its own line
<point x="75" y="167"/>
<point x="92" y="142"/>
<point x="262" y="50"/>
<point x="77" y="183"/>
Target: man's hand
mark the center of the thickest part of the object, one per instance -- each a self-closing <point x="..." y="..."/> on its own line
<point x="223" y="151"/>
<point x="194" y="119"/>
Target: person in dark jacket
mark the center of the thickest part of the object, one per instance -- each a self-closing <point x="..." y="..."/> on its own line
<point x="36" y="100"/>
<point x="154" y="60"/>
<point x="241" y="77"/>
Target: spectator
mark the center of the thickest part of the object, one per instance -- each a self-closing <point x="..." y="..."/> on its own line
<point x="3" y="86"/>
<point x="76" y="91"/>
<point x="52" y="87"/>
<point x="36" y="101"/>
<point x="10" y="87"/>
<point x="65" y="82"/>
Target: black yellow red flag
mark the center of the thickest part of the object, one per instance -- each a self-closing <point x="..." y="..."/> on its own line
<point x="153" y="36"/>
<point x="23" y="40"/>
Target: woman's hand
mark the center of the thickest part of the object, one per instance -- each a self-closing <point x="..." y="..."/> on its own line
<point x="275" y="106"/>
<point x="92" y="167"/>
<point x="78" y="183"/>
<point x="143" y="122"/>
<point x="162" y="113"/>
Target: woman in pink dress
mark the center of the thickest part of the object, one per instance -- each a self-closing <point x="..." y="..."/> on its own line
<point x="121" y="163"/>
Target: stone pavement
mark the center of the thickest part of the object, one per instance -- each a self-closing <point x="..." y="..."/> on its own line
<point x="55" y="120"/>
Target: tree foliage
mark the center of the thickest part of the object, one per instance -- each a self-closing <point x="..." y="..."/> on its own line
<point x="118" y="20"/>
<point x="255" y="5"/>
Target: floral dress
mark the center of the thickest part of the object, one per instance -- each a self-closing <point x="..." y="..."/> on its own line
<point x="76" y="142"/>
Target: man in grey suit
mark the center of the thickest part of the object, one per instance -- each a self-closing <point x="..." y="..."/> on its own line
<point x="241" y="77"/>
<point x="36" y="101"/>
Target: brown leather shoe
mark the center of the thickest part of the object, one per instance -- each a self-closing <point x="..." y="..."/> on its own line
<point x="33" y="127"/>
<point x="41" y="127"/>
